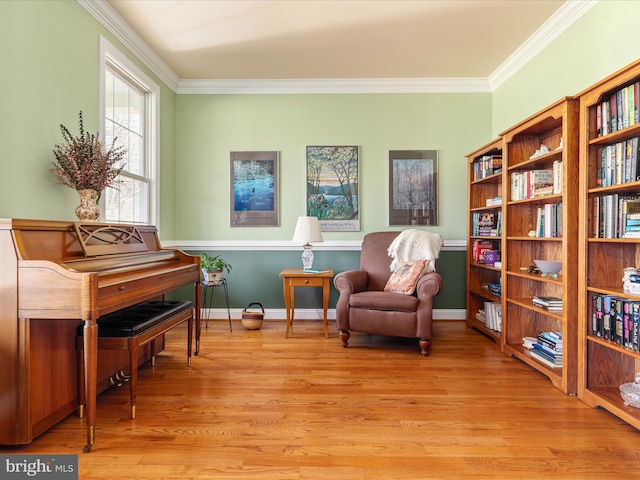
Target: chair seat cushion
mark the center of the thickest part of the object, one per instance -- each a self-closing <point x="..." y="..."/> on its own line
<point x="376" y="300"/>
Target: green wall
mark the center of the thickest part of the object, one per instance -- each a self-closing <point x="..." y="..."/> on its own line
<point x="49" y="52"/>
<point x="601" y="42"/>
<point x="210" y="126"/>
<point x="254" y="278"/>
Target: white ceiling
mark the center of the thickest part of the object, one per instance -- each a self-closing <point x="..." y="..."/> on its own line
<point x="321" y="39"/>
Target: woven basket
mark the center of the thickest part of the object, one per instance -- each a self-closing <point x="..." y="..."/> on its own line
<point x="252" y="320"/>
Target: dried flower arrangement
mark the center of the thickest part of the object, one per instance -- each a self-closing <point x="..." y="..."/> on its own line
<point x="84" y="163"/>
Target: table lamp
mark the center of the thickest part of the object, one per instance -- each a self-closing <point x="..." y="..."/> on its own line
<point x="307" y="231"/>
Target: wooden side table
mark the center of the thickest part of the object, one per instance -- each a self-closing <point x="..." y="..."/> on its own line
<point x="296" y="277"/>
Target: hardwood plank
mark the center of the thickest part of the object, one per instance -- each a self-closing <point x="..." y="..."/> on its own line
<point x="254" y="405"/>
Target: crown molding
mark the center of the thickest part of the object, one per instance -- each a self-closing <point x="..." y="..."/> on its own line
<point x="560" y="21"/>
<point x="335" y="85"/>
<point x="112" y="21"/>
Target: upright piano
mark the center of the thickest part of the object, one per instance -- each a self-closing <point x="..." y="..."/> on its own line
<point x="54" y="277"/>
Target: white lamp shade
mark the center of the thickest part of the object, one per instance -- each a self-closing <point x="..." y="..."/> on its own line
<point x="307" y="230"/>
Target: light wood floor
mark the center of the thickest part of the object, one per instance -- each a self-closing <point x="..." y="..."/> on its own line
<point x="254" y="405"/>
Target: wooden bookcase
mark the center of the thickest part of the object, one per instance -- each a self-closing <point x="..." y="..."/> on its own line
<point x="483" y="191"/>
<point x="557" y="128"/>
<point x="604" y="364"/>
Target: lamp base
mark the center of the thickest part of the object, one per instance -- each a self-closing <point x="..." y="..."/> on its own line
<point x="307" y="257"/>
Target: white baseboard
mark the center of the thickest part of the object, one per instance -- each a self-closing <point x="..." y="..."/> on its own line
<point x="313" y="314"/>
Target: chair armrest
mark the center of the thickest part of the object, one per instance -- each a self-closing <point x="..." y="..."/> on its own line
<point x="429" y="285"/>
<point x="351" y="281"/>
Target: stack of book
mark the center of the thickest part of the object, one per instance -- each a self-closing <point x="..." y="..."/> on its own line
<point x="553" y="304"/>
<point x="495" y="289"/>
<point x="487" y="224"/>
<point x="493" y="316"/>
<point x="617" y="216"/>
<point x="479" y="250"/>
<point x="486" y="166"/>
<point x="533" y="183"/>
<point x="549" y="220"/>
<point x="548" y="348"/>
<point x="616" y="319"/>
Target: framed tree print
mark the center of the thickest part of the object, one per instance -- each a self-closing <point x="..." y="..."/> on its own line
<point x="413" y="187"/>
<point x="254" y="189"/>
<point x="332" y="187"/>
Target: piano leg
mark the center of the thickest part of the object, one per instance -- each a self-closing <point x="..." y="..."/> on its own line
<point x="90" y="341"/>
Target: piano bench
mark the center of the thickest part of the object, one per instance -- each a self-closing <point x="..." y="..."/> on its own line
<point x="132" y="327"/>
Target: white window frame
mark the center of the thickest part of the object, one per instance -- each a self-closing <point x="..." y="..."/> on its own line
<point x="111" y="57"/>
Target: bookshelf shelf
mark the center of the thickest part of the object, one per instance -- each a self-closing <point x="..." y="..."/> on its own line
<point x="604" y="363"/>
<point x="540" y="222"/>
<point x="484" y="197"/>
<point x="555" y="374"/>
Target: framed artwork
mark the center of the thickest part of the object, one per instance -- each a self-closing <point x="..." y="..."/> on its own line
<point x="332" y="187"/>
<point x="413" y="187"/>
<point x="254" y="189"/>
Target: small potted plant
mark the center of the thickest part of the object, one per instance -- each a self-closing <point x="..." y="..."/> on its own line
<point x="212" y="267"/>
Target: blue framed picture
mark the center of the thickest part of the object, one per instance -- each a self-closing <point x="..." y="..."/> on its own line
<point x="254" y="189"/>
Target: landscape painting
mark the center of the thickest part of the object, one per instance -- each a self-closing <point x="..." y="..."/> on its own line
<point x="413" y="187"/>
<point x="332" y="187"/>
<point x="254" y="189"/>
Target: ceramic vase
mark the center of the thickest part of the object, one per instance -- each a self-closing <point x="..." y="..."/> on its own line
<point x="88" y="210"/>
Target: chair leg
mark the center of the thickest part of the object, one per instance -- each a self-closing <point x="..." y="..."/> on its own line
<point x="425" y="347"/>
<point x="344" y="336"/>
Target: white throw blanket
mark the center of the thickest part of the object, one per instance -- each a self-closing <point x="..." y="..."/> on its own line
<point x="415" y="245"/>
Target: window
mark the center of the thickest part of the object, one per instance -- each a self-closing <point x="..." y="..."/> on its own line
<point x="129" y="110"/>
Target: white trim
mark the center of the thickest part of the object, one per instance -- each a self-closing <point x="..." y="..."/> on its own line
<point x="220" y="314"/>
<point x="336" y="85"/>
<point x="112" y="21"/>
<point x="109" y="54"/>
<point x="270" y="245"/>
<point x="560" y="21"/>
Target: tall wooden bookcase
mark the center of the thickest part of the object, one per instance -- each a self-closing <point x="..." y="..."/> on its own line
<point x="556" y="127"/>
<point x="605" y="364"/>
<point x="483" y="196"/>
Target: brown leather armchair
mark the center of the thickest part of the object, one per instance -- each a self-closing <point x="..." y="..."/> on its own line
<point x="365" y="307"/>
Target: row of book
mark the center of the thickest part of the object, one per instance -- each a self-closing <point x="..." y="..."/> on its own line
<point x="616" y="319"/>
<point x="618" y="111"/>
<point x="536" y="183"/>
<point x="491" y="316"/>
<point x="618" y="163"/>
<point x="616" y="216"/>
<point x="486" y="166"/>
<point x="479" y="249"/>
<point x="553" y="304"/>
<point x="487" y="224"/>
<point x="549" y="220"/>
<point x="548" y="348"/>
